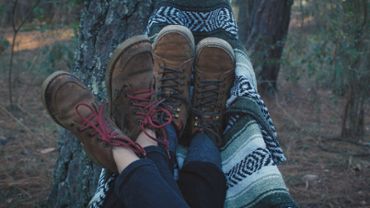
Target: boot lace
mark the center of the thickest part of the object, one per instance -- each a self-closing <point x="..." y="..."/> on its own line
<point x="208" y="109"/>
<point x="147" y="111"/>
<point x="170" y="89"/>
<point x="96" y="121"/>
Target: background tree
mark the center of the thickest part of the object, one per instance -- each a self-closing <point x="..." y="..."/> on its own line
<point x="17" y="14"/>
<point x="263" y="27"/>
<point x="104" y="24"/>
<point x="332" y="49"/>
<point x="353" y="47"/>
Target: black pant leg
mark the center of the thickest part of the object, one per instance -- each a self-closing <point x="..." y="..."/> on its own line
<point x="141" y="185"/>
<point x="203" y="185"/>
<point x="164" y="165"/>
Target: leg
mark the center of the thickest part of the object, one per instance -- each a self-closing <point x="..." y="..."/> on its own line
<point x="214" y="74"/>
<point x="202" y="168"/>
<point x="160" y="158"/>
<point x="140" y="183"/>
<point x="131" y="104"/>
<point x="235" y="158"/>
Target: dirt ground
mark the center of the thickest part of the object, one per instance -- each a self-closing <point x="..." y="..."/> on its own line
<point x="321" y="171"/>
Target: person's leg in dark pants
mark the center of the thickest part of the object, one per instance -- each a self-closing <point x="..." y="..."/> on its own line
<point x="157" y="156"/>
<point x="141" y="185"/>
<point x="214" y="67"/>
<point x="141" y="182"/>
<point x="201" y="180"/>
<point x="173" y="54"/>
<point x="160" y="158"/>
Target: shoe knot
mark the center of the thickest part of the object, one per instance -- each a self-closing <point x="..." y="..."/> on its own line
<point x="95" y="121"/>
<point x="150" y="115"/>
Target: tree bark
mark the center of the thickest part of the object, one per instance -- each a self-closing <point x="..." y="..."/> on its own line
<point x="104" y="24"/>
<point x="358" y="75"/>
<point x="353" y="125"/>
<point x="263" y="27"/>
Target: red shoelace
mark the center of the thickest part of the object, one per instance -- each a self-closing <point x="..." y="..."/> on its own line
<point x="96" y="121"/>
<point x="148" y="113"/>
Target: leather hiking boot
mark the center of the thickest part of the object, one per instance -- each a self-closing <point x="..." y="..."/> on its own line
<point x="214" y="75"/>
<point x="173" y="59"/>
<point x="73" y="107"/>
<point x="129" y="81"/>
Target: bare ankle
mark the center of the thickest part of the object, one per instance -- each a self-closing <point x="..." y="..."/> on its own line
<point x="145" y="138"/>
<point x="123" y="157"/>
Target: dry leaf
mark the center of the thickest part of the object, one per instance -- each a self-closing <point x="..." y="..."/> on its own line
<point x="47" y="150"/>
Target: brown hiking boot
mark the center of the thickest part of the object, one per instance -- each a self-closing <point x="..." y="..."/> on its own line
<point x="73" y="107"/>
<point x="214" y="76"/>
<point x="173" y="59"/>
<point x="129" y="81"/>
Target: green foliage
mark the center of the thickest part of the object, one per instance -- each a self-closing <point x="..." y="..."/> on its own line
<point x="40" y="16"/>
<point x="38" y="13"/>
<point x="329" y="48"/>
<point x="57" y="57"/>
<point x="4" y="44"/>
<point x="2" y="9"/>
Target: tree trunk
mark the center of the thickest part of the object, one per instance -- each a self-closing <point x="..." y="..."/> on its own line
<point x="358" y="75"/>
<point x="263" y="27"/>
<point x="353" y="121"/>
<point x="104" y="24"/>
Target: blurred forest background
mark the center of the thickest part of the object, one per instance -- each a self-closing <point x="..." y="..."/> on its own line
<point x="317" y="89"/>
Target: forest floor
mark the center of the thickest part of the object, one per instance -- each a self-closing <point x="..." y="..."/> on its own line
<point x="322" y="170"/>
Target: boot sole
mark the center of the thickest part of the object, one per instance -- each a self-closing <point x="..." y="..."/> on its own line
<point x="218" y="43"/>
<point x="179" y="29"/>
<point x="45" y="86"/>
<point x="121" y="48"/>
